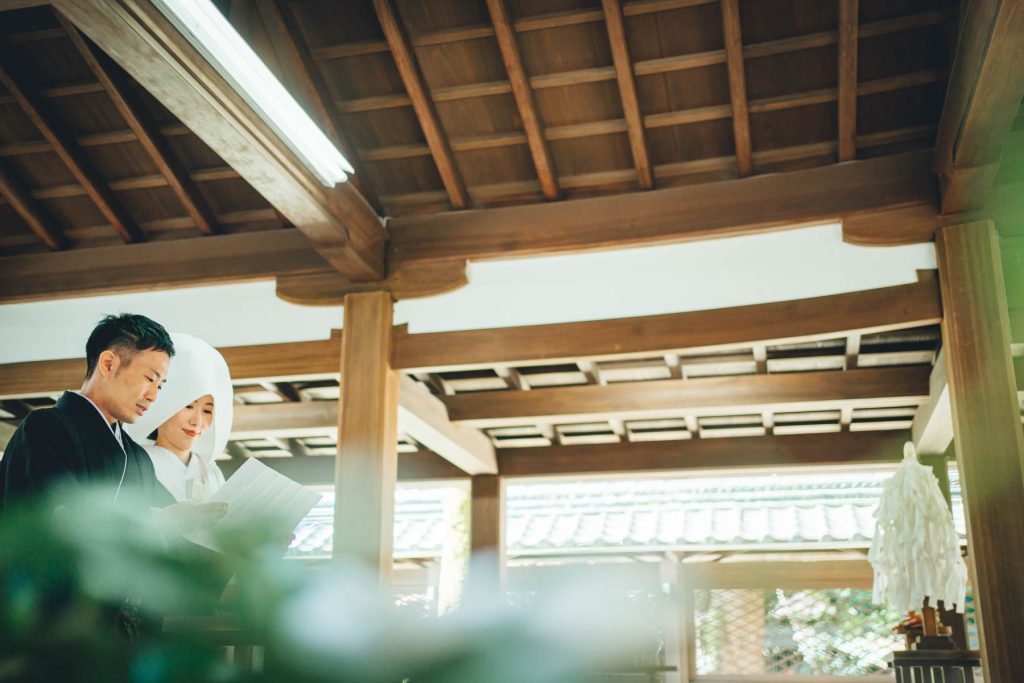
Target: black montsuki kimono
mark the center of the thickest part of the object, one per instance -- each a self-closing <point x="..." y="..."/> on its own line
<point x="72" y="441"/>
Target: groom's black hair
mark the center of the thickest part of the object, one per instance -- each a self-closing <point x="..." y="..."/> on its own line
<point x="127" y="334"/>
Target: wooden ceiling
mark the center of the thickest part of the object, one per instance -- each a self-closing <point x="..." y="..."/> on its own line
<point x="447" y="105"/>
<point x="450" y="105"/>
<point x="88" y="158"/>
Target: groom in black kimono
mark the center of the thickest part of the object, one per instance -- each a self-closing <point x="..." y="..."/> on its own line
<point x="80" y="439"/>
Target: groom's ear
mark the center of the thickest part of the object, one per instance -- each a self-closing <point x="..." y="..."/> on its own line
<point x="108" y="363"/>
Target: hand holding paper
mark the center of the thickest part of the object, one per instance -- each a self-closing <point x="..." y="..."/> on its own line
<point x="256" y="492"/>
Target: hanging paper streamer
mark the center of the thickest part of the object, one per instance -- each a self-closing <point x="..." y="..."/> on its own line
<point x="916" y="551"/>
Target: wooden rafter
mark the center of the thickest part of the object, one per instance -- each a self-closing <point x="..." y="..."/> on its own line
<point x="415" y="85"/>
<point x="28" y="208"/>
<point x="673" y="118"/>
<point x="539" y="150"/>
<point x="848" y="10"/>
<point x="648" y="67"/>
<point x="627" y="91"/>
<point x="285" y="32"/>
<point x="747" y="394"/>
<point x="146" y="134"/>
<point x="62" y="143"/>
<point x="737" y="85"/>
<point x="986" y="86"/>
<point x="675" y="214"/>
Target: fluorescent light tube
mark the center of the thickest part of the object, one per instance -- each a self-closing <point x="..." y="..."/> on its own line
<point x="213" y="35"/>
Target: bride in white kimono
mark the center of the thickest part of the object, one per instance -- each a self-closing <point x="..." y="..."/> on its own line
<point x="189" y="423"/>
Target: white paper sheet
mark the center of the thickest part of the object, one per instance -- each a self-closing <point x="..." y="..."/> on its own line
<point x="256" y="492"/>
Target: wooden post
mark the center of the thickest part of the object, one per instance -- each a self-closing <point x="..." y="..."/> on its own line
<point x="987" y="435"/>
<point x="957" y="621"/>
<point x="487" y="531"/>
<point x="367" y="461"/>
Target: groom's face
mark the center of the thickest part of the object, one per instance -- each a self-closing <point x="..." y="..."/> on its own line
<point x="135" y="382"/>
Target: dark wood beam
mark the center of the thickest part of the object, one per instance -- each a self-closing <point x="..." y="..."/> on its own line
<point x="22" y="201"/>
<point x="817" y="318"/>
<point x="694" y="212"/>
<point x="405" y="281"/>
<point x="423" y="105"/>
<point x="739" y="395"/>
<point x="986" y="86"/>
<point x="64" y="146"/>
<point x="424" y="417"/>
<point x="146" y="134"/>
<point x="627" y="91"/>
<point x="157" y="265"/>
<point x="421" y="416"/>
<point x="737" y="85"/>
<point x="689" y="454"/>
<point x="293" y="56"/>
<point x="987" y="434"/>
<point x="539" y="151"/>
<point x="342" y="226"/>
<point x="626" y="458"/>
<point x="848" y="12"/>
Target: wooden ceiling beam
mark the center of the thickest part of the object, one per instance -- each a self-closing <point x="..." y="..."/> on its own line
<point x="749" y="453"/>
<point x="424" y="417"/>
<point x="812" y="319"/>
<point x="932" y="429"/>
<point x="986" y="86"/>
<point x="62" y="143"/>
<point x="293" y="57"/>
<point x="38" y="220"/>
<point x="802" y="320"/>
<point x="737" y="86"/>
<point x="415" y="86"/>
<point x="709" y="454"/>
<point x="185" y="262"/>
<point x="421" y="416"/>
<point x="539" y="150"/>
<point x="146" y="134"/>
<point x="627" y="91"/>
<point x="343" y="227"/>
<point x="719" y="209"/>
<point x="704" y="396"/>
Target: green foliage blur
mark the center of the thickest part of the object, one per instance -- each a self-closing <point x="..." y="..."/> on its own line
<point x="85" y="586"/>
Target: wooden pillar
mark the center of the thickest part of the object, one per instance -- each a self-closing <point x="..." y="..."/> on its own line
<point x="487" y="531"/>
<point x="367" y="461"/>
<point x="987" y="435"/>
<point x="939" y="463"/>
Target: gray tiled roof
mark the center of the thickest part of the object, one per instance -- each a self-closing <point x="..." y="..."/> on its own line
<point x="768" y="511"/>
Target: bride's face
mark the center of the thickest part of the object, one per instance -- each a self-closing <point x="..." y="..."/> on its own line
<point x="184" y="427"/>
